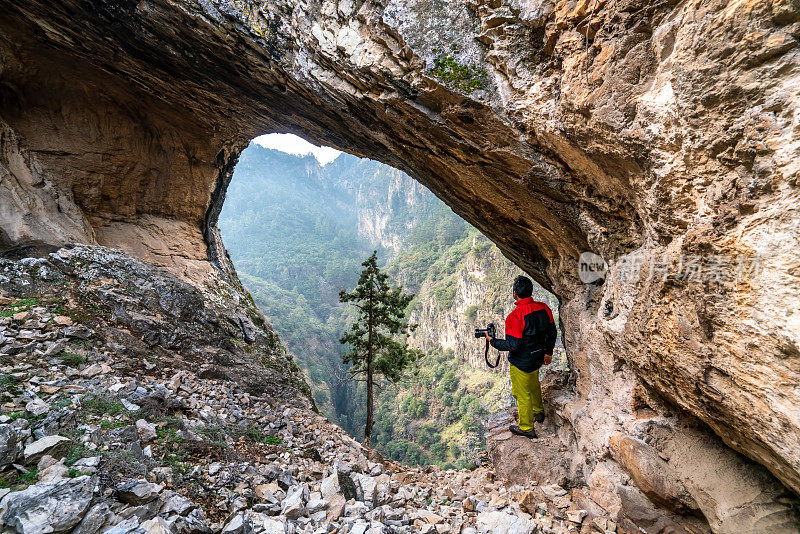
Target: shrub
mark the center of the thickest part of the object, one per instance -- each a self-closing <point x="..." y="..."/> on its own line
<point x="272" y="440"/>
<point x="102" y="405"/>
<point x="72" y="359"/>
<point x="445" y="293"/>
<point x="471" y="313"/>
<point x="465" y="77"/>
<point x="414" y="407"/>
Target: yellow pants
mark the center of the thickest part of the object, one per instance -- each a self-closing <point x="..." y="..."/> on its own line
<point x="525" y="388"/>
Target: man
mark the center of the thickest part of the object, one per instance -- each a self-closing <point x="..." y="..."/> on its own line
<point x="530" y="338"/>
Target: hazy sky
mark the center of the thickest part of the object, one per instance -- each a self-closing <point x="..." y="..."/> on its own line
<point x="291" y="144"/>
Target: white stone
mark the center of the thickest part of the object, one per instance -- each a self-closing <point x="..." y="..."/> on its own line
<point x="37" y="407"/>
<point x="53" y="473"/>
<point x="430" y="517"/>
<point x="137" y="492"/>
<point x="293" y="506"/>
<point x="553" y="491"/>
<point x="576" y="516"/>
<point x="157" y="525"/>
<point x="497" y="522"/>
<point x="92" y="461"/>
<point x="131" y="407"/>
<point x="235" y="525"/>
<point x="94" y="370"/>
<point x="266" y="525"/>
<point x="316" y="505"/>
<point x="147" y="431"/>
<point x="42" y="446"/>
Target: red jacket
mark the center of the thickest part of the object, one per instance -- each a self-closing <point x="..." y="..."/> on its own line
<point x="530" y="334"/>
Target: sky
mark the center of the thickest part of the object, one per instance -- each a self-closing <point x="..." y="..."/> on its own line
<point x="291" y="144"/>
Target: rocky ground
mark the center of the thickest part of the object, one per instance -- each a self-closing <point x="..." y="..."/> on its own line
<point x="99" y="436"/>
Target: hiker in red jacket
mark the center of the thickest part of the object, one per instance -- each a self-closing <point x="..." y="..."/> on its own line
<point x="530" y="339"/>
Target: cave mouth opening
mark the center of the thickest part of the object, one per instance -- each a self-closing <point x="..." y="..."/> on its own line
<point x="297" y="221"/>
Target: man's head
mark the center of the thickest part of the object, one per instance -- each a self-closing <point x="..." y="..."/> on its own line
<point x="523" y="287"/>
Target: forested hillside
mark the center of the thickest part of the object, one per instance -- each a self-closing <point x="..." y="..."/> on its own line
<point x="297" y="233"/>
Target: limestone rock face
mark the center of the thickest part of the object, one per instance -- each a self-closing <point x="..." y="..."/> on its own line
<point x="661" y="136"/>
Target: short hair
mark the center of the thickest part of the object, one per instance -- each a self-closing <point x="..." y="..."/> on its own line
<point x="523" y="287"/>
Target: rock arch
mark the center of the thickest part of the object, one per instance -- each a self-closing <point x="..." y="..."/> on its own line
<point x="655" y="132"/>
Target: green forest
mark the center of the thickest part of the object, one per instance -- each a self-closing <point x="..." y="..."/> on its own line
<point x="297" y="233"/>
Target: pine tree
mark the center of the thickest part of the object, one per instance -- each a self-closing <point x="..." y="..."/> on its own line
<point x="373" y="337"/>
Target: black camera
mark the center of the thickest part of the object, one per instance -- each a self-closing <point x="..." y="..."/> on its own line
<point x="481" y="332"/>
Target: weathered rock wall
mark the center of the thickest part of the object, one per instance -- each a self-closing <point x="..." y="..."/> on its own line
<point x="664" y="133"/>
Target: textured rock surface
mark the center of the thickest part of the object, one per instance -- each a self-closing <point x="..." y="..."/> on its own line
<point x="151" y="316"/>
<point x="660" y="132"/>
<point x="43" y="508"/>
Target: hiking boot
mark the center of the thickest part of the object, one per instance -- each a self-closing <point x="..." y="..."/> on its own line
<point x="517" y="431"/>
<point x="538" y="417"/>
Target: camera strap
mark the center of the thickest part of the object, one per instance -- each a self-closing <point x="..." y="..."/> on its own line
<point x="486" y="357"/>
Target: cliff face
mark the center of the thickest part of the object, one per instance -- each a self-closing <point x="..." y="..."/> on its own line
<point x="661" y="136"/>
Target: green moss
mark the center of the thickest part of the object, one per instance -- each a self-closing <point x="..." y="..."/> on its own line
<point x="467" y="78"/>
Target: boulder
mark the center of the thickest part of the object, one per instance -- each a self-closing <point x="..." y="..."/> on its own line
<point x="127" y="526"/>
<point x="338" y="483"/>
<point x="316" y="505"/>
<point x="266" y="493"/>
<point x="53" y="473"/>
<point x="293" y="506"/>
<point x="147" y="431"/>
<point x="235" y="525"/>
<point x="500" y="522"/>
<point x="137" y="492"/>
<point x="519" y="460"/>
<point x="40" y="447"/>
<point x="97" y="516"/>
<point x="336" y="506"/>
<point x="576" y="516"/>
<point x="21" y="317"/>
<point x="430" y="517"/>
<point x="652" y="474"/>
<point x="37" y="407"/>
<point x="48" y="507"/>
<point x="95" y="369"/>
<point x="263" y="524"/>
<point x="175" y="503"/>
<point x="78" y="331"/>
